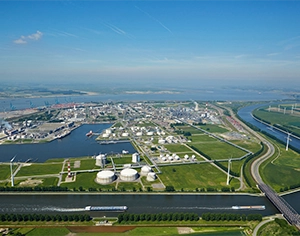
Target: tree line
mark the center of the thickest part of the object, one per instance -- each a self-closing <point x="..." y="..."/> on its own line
<point x="230" y="216"/>
<point x="44" y="217"/>
<point x="129" y="217"/>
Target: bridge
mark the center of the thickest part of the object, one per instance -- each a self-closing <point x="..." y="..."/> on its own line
<point x="286" y="209"/>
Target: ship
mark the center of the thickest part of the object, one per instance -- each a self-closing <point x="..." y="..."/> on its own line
<point x="89" y="133"/>
<point x="64" y="134"/>
<point x="106" y="208"/>
<point x="248" y="207"/>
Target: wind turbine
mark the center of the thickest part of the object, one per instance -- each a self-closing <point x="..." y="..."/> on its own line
<point x="228" y="171"/>
<point x="11" y="171"/>
<point x="287" y="142"/>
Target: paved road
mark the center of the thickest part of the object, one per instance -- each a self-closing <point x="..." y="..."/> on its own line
<point x="287" y="211"/>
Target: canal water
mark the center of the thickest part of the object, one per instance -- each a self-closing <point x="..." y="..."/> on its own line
<point x="136" y="203"/>
<point x="245" y="114"/>
<point x="74" y="145"/>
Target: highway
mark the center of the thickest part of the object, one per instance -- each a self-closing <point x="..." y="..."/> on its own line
<point x="286" y="210"/>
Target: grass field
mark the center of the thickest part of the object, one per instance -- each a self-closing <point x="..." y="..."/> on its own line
<point x="4" y="172"/>
<point x="251" y="146"/>
<point x="213" y="128"/>
<point x="292" y="122"/>
<point x="202" y="138"/>
<point x="195" y="176"/>
<point x="40" y="169"/>
<point x="86" y="180"/>
<point x="219" y="150"/>
<point x="123" y="186"/>
<point x="177" y="148"/>
<point x="286" y="165"/>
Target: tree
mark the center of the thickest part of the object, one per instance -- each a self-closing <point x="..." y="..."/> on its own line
<point x="170" y="188"/>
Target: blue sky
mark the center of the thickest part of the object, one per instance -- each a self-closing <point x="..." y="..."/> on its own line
<point x="151" y="41"/>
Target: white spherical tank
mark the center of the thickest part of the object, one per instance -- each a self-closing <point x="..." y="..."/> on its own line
<point x="105" y="177"/>
<point x="145" y="170"/>
<point x="128" y="175"/>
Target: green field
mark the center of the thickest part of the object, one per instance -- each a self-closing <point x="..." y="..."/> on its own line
<point x="289" y="121"/>
<point x="4" y="171"/>
<point x="195" y="176"/>
<point x="177" y="148"/>
<point x="213" y="128"/>
<point x="40" y="169"/>
<point x="219" y="150"/>
<point x="283" y="171"/>
<point x="202" y="138"/>
<point x="86" y="180"/>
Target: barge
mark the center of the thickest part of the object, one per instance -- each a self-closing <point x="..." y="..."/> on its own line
<point x="106" y="208"/>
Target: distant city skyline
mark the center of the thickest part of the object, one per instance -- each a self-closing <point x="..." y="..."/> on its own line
<point x="151" y="42"/>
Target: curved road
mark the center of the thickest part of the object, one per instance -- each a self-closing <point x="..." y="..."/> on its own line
<point x="287" y="211"/>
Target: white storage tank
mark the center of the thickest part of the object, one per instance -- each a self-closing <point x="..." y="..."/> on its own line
<point x="100" y="160"/>
<point x="186" y="156"/>
<point x="135" y="157"/>
<point x="128" y="175"/>
<point x="151" y="176"/>
<point x="177" y="157"/>
<point x="145" y="170"/>
<point x="105" y="177"/>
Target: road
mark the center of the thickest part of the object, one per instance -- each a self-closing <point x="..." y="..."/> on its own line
<point x="287" y="211"/>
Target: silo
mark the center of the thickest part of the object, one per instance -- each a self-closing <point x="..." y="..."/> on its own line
<point x="145" y="170"/>
<point x="128" y="175"/>
<point x="105" y="177"/>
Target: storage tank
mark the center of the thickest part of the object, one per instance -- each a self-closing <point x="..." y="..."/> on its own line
<point x="151" y="176"/>
<point x="186" y="156"/>
<point x="100" y="160"/>
<point x="128" y="175"/>
<point x="145" y="170"/>
<point x="105" y="177"/>
<point x="135" y="157"/>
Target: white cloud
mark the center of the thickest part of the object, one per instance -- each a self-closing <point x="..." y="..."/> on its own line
<point x="24" y="39"/>
<point x="35" y="36"/>
<point x="20" y="41"/>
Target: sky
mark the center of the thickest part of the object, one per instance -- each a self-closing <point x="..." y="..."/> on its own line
<point x="151" y="42"/>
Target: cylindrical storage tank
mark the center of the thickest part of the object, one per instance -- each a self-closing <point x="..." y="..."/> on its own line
<point x="186" y="156"/>
<point x="177" y="157"/>
<point x="105" y="177"/>
<point x="100" y="160"/>
<point x="145" y="170"/>
<point x="128" y="175"/>
<point x="151" y="176"/>
<point x="105" y="135"/>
